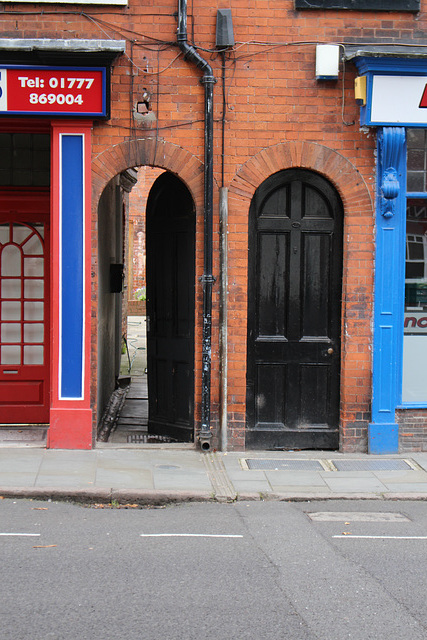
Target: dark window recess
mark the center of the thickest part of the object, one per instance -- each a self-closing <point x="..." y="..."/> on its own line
<point x="116" y="278"/>
<point x="360" y="5"/>
<point x="24" y="160"/>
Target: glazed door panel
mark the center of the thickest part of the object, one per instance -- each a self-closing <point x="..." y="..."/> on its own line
<point x="24" y="314"/>
<point x="295" y="265"/>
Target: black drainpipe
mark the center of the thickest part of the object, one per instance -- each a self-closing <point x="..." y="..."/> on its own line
<point x="207" y="279"/>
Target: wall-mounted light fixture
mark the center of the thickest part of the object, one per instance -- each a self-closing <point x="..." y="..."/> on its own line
<point x="327" y="61"/>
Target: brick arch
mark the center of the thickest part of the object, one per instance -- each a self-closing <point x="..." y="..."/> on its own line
<point x="147" y="152"/>
<point x="308" y="155"/>
<point x="164" y="155"/>
<point x="357" y="297"/>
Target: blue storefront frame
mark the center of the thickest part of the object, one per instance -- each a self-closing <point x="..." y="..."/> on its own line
<point x="389" y="283"/>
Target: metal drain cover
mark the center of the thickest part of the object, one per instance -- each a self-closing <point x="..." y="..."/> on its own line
<point x="372" y="465"/>
<point x="283" y="465"/>
<point x="144" y="438"/>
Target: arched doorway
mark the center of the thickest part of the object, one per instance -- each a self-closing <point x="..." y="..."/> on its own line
<point x="294" y="313"/>
<point x="170" y="264"/>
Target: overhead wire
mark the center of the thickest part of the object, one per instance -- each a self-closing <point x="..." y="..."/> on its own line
<point x="158" y="41"/>
<point x="153" y="44"/>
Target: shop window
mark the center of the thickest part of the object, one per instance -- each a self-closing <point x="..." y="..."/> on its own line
<point x="360" y="5"/>
<point x="24" y="160"/>
<point x="414" y="388"/>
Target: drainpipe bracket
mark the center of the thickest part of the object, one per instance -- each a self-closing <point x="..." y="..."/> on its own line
<point x="208" y="79"/>
<point x="207" y="279"/>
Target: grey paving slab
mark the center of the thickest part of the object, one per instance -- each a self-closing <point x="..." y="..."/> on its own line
<point x="257" y="486"/>
<point x="347" y="474"/>
<point x="21" y="452"/>
<point x="355" y="484"/>
<point x="118" y="463"/>
<point x="126" y="459"/>
<point x="20" y="464"/>
<point x="78" y="467"/>
<point x="124" y="479"/>
<point x="307" y="489"/>
<point x="397" y="487"/>
<point x="70" y="455"/>
<point x="21" y="479"/>
<point x="294" y="479"/>
<point x="185" y="480"/>
<point x="193" y="461"/>
<point x="402" y="476"/>
<point x="65" y="480"/>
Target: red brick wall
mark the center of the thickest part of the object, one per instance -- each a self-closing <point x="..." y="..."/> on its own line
<point x="136" y="263"/>
<point x="277" y="116"/>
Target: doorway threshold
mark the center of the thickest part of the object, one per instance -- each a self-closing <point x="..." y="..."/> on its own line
<point x="23" y="435"/>
<point x="175" y="446"/>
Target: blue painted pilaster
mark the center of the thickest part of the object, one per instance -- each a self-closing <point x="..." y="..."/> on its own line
<point x="389" y="279"/>
<point x="72" y="273"/>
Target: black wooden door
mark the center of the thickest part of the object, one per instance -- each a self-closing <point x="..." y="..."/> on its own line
<point x="170" y="241"/>
<point x="294" y="312"/>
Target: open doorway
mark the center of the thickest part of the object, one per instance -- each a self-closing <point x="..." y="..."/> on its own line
<point x="153" y="399"/>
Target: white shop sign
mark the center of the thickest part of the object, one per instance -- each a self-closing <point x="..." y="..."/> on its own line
<point x="415" y="322"/>
<point x="399" y="100"/>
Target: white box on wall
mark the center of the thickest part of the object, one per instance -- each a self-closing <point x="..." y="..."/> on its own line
<point x="327" y="61"/>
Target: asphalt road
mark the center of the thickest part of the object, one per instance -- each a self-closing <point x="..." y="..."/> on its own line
<point x="270" y="571"/>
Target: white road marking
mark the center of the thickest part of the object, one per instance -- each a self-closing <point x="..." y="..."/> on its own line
<point x="189" y="535"/>
<point x="350" y="535"/>
<point x="20" y="534"/>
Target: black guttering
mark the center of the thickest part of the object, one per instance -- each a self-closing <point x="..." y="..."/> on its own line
<point x="207" y="279"/>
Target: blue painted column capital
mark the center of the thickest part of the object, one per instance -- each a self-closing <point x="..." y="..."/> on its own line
<point x="391" y="144"/>
<point x="383" y="436"/>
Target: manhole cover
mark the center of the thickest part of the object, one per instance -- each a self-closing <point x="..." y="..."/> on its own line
<point x="372" y="465"/>
<point x="144" y="438"/>
<point x="283" y="465"/>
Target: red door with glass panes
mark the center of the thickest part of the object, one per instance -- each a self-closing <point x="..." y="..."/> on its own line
<point x="24" y="307"/>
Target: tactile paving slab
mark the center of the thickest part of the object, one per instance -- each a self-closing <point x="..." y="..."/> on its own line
<point x="372" y="465"/>
<point x="283" y="465"/>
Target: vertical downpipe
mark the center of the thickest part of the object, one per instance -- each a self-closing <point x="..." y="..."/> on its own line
<point x="207" y="279"/>
<point x="223" y="313"/>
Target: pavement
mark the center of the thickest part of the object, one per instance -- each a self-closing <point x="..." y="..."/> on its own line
<point x="161" y="474"/>
<point x="119" y="472"/>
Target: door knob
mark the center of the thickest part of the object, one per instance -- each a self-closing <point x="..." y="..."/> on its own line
<point x="330" y="350"/>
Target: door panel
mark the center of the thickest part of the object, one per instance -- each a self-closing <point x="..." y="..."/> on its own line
<point x="271" y="380"/>
<point x="273" y="285"/>
<point x="294" y="311"/>
<point x="170" y="309"/>
<point x="24" y="308"/>
<point x="315" y="319"/>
